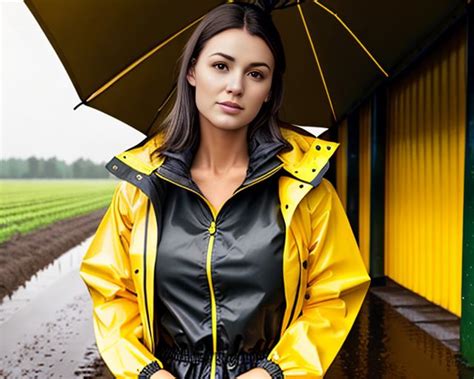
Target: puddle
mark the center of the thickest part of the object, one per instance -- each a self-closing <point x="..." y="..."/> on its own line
<point x="384" y="344"/>
<point x="45" y="278"/>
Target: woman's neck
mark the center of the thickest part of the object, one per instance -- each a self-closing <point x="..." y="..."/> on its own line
<point x="220" y="150"/>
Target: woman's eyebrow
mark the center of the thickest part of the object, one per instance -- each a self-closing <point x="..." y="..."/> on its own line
<point x="232" y="59"/>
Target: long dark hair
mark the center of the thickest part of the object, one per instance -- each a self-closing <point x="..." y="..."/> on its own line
<point x="180" y="127"/>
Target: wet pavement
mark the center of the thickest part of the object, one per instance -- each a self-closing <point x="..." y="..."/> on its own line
<point x="385" y="344"/>
<point x="46" y="332"/>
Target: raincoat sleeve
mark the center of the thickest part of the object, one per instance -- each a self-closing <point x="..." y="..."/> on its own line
<point x="106" y="271"/>
<point x="337" y="282"/>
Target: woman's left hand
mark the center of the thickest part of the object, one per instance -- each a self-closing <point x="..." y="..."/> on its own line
<point x="255" y="373"/>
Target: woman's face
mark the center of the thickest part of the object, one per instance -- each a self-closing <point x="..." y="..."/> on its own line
<point x="236" y="67"/>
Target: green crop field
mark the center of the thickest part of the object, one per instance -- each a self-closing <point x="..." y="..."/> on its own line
<point x="26" y="205"/>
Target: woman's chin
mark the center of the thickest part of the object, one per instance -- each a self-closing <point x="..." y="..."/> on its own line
<point x="229" y="125"/>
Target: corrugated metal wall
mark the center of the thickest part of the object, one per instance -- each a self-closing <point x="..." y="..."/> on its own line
<point x="341" y="163"/>
<point x="425" y="175"/>
<point x="364" y="183"/>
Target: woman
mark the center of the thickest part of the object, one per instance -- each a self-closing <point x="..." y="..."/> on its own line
<point x="224" y="252"/>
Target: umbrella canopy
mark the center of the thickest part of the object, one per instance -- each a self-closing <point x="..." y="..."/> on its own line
<point x="121" y="55"/>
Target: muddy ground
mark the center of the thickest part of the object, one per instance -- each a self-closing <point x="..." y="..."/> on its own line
<point x="52" y="336"/>
<point x="57" y="340"/>
<point x="23" y="255"/>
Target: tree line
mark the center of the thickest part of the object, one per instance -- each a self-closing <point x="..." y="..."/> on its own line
<point x="52" y="168"/>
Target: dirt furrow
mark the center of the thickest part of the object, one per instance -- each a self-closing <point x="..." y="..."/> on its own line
<point x="23" y="255"/>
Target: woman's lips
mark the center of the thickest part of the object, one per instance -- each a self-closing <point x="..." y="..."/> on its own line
<point x="229" y="109"/>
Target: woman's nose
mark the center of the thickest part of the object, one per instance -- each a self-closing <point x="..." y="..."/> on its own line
<point x="235" y="84"/>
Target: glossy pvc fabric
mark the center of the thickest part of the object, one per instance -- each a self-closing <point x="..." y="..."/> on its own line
<point x="425" y="174"/>
<point x="364" y="182"/>
<point x="325" y="280"/>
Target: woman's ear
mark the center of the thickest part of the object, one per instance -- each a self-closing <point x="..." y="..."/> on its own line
<point x="190" y="75"/>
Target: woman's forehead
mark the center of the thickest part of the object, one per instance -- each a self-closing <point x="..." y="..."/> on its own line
<point x="239" y="46"/>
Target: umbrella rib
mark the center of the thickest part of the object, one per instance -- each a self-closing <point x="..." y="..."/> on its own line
<point x="140" y="60"/>
<point x="353" y="35"/>
<point x="317" y="60"/>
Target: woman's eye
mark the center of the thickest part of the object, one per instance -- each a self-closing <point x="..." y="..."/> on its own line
<point x="220" y="66"/>
<point x="258" y="76"/>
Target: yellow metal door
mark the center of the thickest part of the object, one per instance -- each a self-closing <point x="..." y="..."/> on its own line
<point x="425" y="174"/>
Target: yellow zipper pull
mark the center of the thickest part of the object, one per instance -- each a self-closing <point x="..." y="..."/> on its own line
<point x="212" y="228"/>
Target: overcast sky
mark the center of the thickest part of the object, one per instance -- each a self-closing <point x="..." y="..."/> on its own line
<point x="37" y="100"/>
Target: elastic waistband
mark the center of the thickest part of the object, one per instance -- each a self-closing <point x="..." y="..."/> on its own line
<point x="186" y="355"/>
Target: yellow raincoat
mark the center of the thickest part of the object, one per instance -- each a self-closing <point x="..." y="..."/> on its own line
<point x="324" y="275"/>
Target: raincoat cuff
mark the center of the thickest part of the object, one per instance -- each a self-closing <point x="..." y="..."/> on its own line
<point x="271" y="367"/>
<point x="149" y="370"/>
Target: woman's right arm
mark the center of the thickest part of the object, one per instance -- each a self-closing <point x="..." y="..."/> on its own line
<point x="107" y="273"/>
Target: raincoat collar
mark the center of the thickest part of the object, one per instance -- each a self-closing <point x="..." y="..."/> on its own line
<point x="262" y="159"/>
<point x="307" y="161"/>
